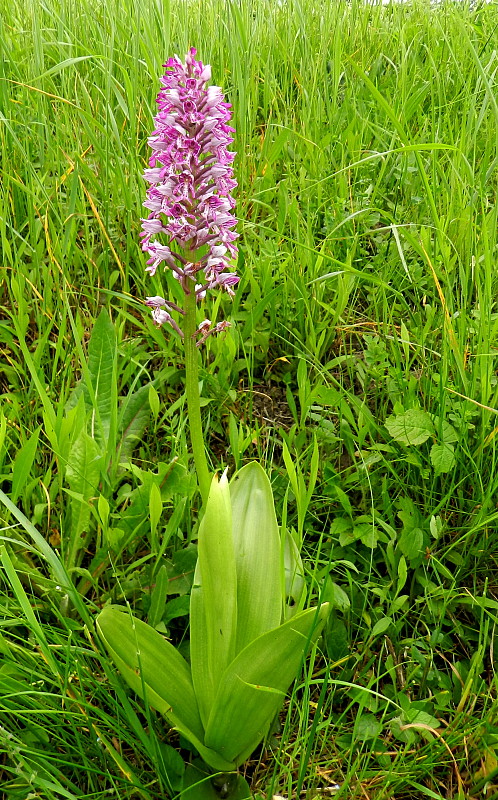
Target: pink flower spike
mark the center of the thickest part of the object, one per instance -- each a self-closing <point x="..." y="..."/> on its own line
<point x="190" y="180"/>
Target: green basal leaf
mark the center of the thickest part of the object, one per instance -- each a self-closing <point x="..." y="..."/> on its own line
<point x="254" y="685"/>
<point x="157" y="672"/>
<point x="153" y="668"/>
<point x="199" y="648"/>
<point x="257" y="553"/>
<point x="213" y="610"/>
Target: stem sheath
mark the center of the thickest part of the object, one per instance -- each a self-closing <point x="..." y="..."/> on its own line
<point x="192" y="391"/>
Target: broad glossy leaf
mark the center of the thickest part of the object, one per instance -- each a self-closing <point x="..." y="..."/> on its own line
<point x="157" y="672"/>
<point x="197" y="785"/>
<point x="257" y="554"/>
<point x="254" y="685"/>
<point x="199" y="647"/>
<point x="153" y="668"/>
<point x="213" y="610"/>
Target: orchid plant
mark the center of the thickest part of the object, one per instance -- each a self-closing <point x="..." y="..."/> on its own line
<point x="249" y="631"/>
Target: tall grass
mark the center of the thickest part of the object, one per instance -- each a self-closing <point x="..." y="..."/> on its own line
<point x="367" y="141"/>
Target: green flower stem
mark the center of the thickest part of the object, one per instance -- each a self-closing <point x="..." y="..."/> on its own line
<point x="193" y="399"/>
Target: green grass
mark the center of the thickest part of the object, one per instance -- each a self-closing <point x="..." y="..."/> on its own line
<point x="367" y="142"/>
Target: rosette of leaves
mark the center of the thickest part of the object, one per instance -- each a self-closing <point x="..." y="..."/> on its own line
<point x="245" y="651"/>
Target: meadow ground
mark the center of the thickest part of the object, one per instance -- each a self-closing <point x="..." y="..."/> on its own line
<point x="360" y="369"/>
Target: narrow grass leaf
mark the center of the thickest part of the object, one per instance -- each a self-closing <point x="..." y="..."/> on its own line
<point x="68" y="62"/>
<point x="58" y="570"/>
<point x="158" y="597"/>
<point x="28" y="612"/>
<point x="295" y="584"/>
<point x="22" y="465"/>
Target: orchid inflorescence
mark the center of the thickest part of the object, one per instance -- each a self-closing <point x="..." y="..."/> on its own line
<point x="189" y="198"/>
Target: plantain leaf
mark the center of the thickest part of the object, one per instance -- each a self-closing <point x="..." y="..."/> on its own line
<point x="83" y="472"/>
<point x="257" y="554"/>
<point x="254" y="685"/>
<point x="213" y="609"/>
<point x="101" y="395"/>
<point x="134" y="414"/>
